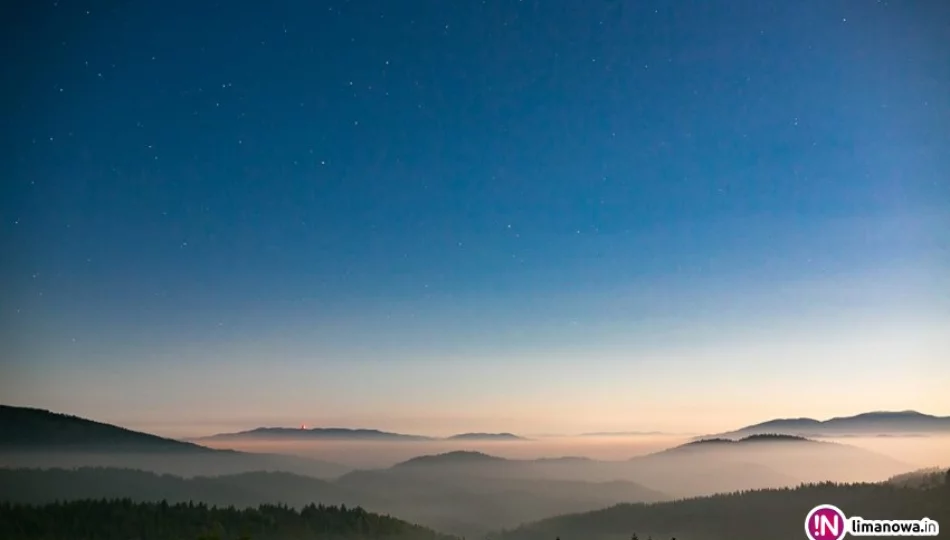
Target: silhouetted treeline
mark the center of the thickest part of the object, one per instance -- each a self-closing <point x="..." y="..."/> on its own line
<point x="775" y="514"/>
<point x="451" y="502"/>
<point x="24" y="427"/>
<point x="923" y="478"/>
<point x="39" y="486"/>
<point x="122" y="519"/>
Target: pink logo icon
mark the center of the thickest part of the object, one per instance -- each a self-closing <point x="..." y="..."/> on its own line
<point x="826" y="522"/>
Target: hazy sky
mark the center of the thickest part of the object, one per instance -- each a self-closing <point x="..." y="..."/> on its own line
<point x="502" y="215"/>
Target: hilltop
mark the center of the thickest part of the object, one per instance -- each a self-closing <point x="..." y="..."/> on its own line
<point x="865" y="424"/>
<point x="458" y="457"/>
<point x="716" y="465"/>
<point x="348" y="434"/>
<point x="342" y="434"/>
<point x="486" y="437"/>
<point x="722" y="442"/>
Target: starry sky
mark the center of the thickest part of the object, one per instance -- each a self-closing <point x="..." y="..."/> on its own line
<point x="490" y="215"/>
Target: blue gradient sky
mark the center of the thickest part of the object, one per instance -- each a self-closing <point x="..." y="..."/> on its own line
<point x="499" y="215"/>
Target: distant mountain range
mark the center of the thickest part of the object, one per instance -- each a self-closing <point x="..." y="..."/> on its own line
<point x="25" y="426"/>
<point x="902" y="423"/>
<point x="285" y="433"/>
<point x="718" y="442"/>
<point x="692" y="469"/>
<point x="349" y="434"/>
<point x="862" y="425"/>
<point x="461" y="492"/>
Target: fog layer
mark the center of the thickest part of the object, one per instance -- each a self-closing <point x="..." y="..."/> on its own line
<point x="918" y="451"/>
<point x="374" y="454"/>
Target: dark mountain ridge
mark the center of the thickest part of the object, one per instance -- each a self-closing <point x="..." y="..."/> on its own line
<point x="358" y="434"/>
<point x="775" y="514"/>
<point x="25" y="428"/>
<point x="458" y="457"/>
<point x="31" y="437"/>
<point x="721" y="442"/>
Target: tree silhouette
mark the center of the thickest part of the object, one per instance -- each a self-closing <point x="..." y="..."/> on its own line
<point x="121" y="519"/>
<point x="746" y="514"/>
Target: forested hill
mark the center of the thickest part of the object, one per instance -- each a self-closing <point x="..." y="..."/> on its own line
<point x="124" y="519"/>
<point x="39" y="438"/>
<point x="775" y="514"/>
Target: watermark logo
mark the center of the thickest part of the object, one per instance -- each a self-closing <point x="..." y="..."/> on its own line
<point x="828" y="522"/>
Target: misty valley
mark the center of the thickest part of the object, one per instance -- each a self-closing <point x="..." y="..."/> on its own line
<point x="752" y="483"/>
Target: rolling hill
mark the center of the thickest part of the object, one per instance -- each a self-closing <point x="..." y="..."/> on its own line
<point x="765" y="461"/>
<point x="776" y="514"/>
<point x="458" y="458"/>
<point x="470" y="493"/>
<point x="38" y="438"/>
<point x="861" y="425"/>
<point x="486" y="437"/>
<point x="723" y="465"/>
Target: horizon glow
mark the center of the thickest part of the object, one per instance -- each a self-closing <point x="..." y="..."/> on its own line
<point x="478" y="217"/>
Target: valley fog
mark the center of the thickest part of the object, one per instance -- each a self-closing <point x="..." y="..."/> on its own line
<point x="371" y="454"/>
<point x="923" y="451"/>
<point x="467" y="488"/>
<point x="477" y="485"/>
